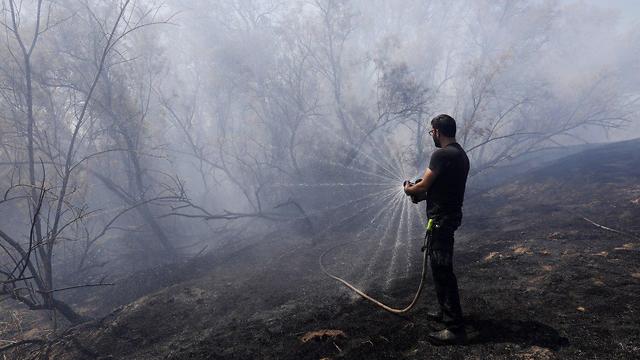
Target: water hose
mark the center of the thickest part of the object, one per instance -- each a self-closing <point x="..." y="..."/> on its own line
<point x="371" y="299"/>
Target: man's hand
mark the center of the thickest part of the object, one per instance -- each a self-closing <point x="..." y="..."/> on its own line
<point x="415" y="198"/>
<point x="419" y="197"/>
<point x="407" y="184"/>
<point x="420" y="188"/>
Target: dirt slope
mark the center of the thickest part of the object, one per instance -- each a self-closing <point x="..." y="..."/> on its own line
<point x="538" y="281"/>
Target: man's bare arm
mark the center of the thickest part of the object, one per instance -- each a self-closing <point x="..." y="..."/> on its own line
<point x="422" y="186"/>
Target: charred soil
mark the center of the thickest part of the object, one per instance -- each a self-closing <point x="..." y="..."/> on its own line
<point x="539" y="279"/>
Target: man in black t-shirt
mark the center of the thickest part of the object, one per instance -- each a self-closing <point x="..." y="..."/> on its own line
<point x="444" y="183"/>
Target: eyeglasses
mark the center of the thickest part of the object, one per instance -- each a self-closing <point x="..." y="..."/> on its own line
<point x="431" y="132"/>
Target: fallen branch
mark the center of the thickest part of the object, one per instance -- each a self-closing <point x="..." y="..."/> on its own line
<point x="229" y="215"/>
<point x="73" y="287"/>
<point x="15" y="280"/>
<point x="21" y="342"/>
<point x="610" y="229"/>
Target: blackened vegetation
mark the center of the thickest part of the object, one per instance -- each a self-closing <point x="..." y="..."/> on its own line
<point x="537" y="282"/>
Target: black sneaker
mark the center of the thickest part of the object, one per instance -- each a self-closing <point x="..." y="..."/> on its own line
<point x="448" y="337"/>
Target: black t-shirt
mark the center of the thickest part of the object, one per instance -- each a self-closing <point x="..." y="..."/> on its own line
<point x="446" y="194"/>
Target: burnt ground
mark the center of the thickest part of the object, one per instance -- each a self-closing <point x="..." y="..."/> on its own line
<point x="537" y="281"/>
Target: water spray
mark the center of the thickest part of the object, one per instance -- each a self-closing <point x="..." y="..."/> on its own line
<point x="425" y="249"/>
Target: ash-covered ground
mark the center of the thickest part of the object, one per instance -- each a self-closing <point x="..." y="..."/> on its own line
<point x="538" y="280"/>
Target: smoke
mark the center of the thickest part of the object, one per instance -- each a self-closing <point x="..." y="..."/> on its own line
<point x="217" y="120"/>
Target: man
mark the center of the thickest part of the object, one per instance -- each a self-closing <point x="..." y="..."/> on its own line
<point x="444" y="183"/>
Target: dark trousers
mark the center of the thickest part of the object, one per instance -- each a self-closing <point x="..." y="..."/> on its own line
<point x="446" y="286"/>
<point x="445" y="281"/>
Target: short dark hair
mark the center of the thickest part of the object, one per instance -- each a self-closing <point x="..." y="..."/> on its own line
<point x="445" y="124"/>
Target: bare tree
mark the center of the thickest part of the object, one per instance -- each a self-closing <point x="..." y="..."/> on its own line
<point x="37" y="257"/>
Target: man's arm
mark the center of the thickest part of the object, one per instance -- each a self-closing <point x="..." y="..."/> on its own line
<point x="422" y="186"/>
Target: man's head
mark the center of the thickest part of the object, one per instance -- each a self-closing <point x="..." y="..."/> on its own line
<point x="442" y="125"/>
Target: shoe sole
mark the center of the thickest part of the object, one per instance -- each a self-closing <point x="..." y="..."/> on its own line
<point x="458" y="341"/>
